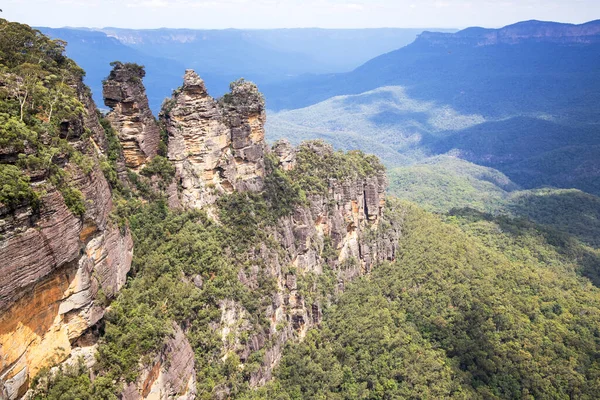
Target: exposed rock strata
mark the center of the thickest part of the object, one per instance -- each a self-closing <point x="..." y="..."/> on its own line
<point x="286" y="154"/>
<point x="56" y="268"/>
<point x="171" y="376"/>
<point x="350" y="220"/>
<point x="216" y="146"/>
<point x="131" y="117"/>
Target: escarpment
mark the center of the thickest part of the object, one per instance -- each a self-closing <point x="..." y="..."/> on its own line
<point x="62" y="259"/>
<point x="335" y="236"/>
<point x="130" y="115"/>
<point x="57" y="268"/>
<point x="216" y="146"/>
<point x="342" y="215"/>
<point x="325" y="221"/>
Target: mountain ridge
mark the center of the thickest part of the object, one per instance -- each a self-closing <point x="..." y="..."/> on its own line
<point x="540" y="31"/>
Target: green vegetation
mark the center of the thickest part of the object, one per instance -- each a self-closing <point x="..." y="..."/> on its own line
<point x="521" y="239"/>
<point x="475" y="305"/>
<point x="15" y="189"/>
<point x="40" y="105"/>
<point x="113" y="154"/>
<point x="71" y="383"/>
<point x="317" y="163"/>
<point x="137" y="71"/>
<point x="572" y="211"/>
<point x="442" y="183"/>
<point x="73" y="199"/>
<point x="458" y="315"/>
<point x="161" y="167"/>
<point x="169" y="245"/>
<point x="281" y="191"/>
<point x="174" y="249"/>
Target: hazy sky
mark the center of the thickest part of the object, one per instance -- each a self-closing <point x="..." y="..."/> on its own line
<point x="294" y="13"/>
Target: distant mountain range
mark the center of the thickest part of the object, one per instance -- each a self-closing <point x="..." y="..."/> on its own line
<point x="521" y="99"/>
<point x="222" y="56"/>
<point x="475" y="69"/>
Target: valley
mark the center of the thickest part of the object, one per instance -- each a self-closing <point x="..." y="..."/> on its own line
<point x="418" y="218"/>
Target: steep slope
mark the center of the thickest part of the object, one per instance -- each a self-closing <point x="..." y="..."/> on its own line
<point x="256" y="243"/>
<point x="62" y="259"/>
<point x="477" y="308"/>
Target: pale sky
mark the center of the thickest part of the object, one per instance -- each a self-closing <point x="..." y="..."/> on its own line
<point x="217" y="14"/>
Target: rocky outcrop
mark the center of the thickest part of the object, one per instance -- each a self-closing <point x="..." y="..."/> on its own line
<point x="342" y="233"/>
<point x="139" y="134"/>
<point x="216" y="146"/>
<point x="58" y="269"/>
<point x="343" y="217"/>
<point x="171" y="375"/>
<point x="285" y="153"/>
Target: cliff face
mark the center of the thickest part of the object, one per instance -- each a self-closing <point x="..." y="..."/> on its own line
<point x="61" y="257"/>
<point x="171" y="376"/>
<point x="57" y="269"/>
<point x="131" y="117"/>
<point x="216" y="146"/>
<point x="335" y="236"/>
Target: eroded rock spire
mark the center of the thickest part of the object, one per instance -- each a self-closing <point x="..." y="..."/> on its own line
<point x="131" y="117"/>
<point x="217" y="146"/>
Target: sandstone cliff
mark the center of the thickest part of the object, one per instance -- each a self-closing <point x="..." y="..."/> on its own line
<point x="64" y="260"/>
<point x="131" y="117"/>
<point x="171" y="376"/>
<point x="216" y="146"/>
<point x="60" y="264"/>
<point x="335" y="236"/>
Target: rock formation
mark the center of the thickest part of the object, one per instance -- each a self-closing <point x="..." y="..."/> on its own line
<point x="131" y="117"/>
<point x="343" y="232"/>
<point x="285" y="153"/>
<point x="57" y="269"/>
<point x="216" y="146"/>
<point x="172" y="374"/>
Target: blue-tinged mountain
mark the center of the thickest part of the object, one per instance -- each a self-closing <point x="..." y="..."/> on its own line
<point x="529" y="91"/>
<point x="495" y="71"/>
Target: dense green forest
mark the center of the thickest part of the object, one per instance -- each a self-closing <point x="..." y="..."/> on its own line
<point x="37" y="94"/>
<point x="474" y="307"/>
